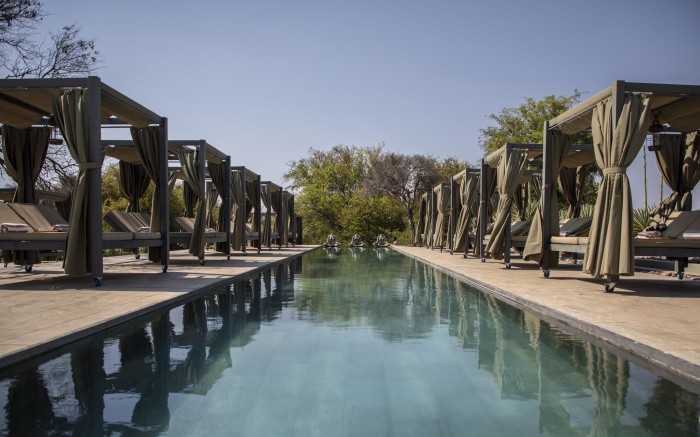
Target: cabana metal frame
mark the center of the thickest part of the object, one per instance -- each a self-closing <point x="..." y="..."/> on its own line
<point x="675" y="105"/>
<point x="30" y="102"/>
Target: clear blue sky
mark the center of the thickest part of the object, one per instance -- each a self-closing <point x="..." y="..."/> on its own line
<point x="274" y="78"/>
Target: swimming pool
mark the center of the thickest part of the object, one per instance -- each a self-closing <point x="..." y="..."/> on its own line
<point x="342" y="343"/>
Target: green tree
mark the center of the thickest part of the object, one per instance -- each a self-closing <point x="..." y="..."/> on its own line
<point x="370" y="216"/>
<point x="524" y="123"/>
<point x="449" y="167"/>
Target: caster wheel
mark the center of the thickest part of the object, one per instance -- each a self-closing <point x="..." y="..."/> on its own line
<point x="137" y="256"/>
<point x="165" y="269"/>
<point x="609" y="287"/>
<point x="228" y="257"/>
<point x="245" y="253"/>
<point x="28" y="268"/>
<point x="508" y="265"/>
<point x="483" y="260"/>
<point x="545" y="273"/>
<point x="201" y="262"/>
<point x="681" y="275"/>
<point x="98" y="282"/>
<point x="5" y="264"/>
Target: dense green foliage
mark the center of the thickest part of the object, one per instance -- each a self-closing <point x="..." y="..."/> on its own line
<point x="362" y="190"/>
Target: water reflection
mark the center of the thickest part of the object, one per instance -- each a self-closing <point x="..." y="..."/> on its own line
<point x="135" y="382"/>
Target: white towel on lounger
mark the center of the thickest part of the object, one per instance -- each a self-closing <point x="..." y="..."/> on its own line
<point x="60" y="227"/>
<point x="145" y="229"/>
<point x="14" y="227"/>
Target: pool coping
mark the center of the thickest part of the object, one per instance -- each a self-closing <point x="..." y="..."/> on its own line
<point x="676" y="369"/>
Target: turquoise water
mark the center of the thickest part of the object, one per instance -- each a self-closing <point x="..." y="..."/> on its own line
<point x="344" y="343"/>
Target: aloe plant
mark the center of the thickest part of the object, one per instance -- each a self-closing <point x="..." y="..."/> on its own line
<point x="640" y="218"/>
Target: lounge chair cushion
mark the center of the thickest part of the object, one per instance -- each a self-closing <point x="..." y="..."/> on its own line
<point x="31" y="215"/>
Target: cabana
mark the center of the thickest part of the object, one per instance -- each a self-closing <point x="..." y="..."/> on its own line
<point x="464" y="197"/>
<point x="246" y="200"/>
<point x="620" y="117"/>
<point x="80" y="107"/>
<point x="441" y="211"/>
<point x="199" y="160"/>
<point x="275" y="214"/>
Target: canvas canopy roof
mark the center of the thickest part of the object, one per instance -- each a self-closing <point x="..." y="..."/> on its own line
<point x="579" y="154"/>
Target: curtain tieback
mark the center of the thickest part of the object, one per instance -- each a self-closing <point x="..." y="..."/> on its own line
<point x="614" y="170"/>
<point x="89" y="165"/>
<point x="504" y="196"/>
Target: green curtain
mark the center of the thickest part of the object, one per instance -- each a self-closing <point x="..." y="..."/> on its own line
<point x="147" y="143"/>
<point x="189" y="198"/>
<point x="509" y="173"/>
<point x="609" y="250"/>
<point x="520" y="199"/>
<point x="468" y="190"/>
<point x="490" y="175"/>
<point x="266" y="235"/>
<point x="418" y="237"/>
<point x="429" y="220"/>
<point x="25" y="152"/>
<point x="572" y="184"/>
<point x="212" y="198"/>
<point x="238" y="236"/>
<point x="534" y="246"/>
<point x="669" y="159"/>
<point x="283" y="217"/>
<point x="690" y="169"/>
<point x="218" y="178"/>
<point x="133" y="182"/>
<point x="189" y="159"/>
<point x="442" y="203"/>
<point x="277" y="207"/>
<point x="70" y="110"/>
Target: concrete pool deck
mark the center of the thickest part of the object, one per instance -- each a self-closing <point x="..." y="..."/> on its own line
<point x="651" y="317"/>
<point x="46" y="309"/>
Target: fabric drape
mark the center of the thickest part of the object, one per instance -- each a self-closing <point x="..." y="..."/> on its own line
<point x="609" y="250"/>
<point x="520" y="199"/>
<point x="133" y="182"/>
<point x="218" y="178"/>
<point x="669" y="159"/>
<point x="429" y="220"/>
<point x="490" y="175"/>
<point x="237" y="209"/>
<point x="572" y="184"/>
<point x="70" y="110"/>
<point x="534" y="246"/>
<point x="283" y="217"/>
<point x="189" y="198"/>
<point x="418" y="237"/>
<point x="147" y="143"/>
<point x="690" y="169"/>
<point x="189" y="159"/>
<point x="212" y="198"/>
<point x="442" y="203"/>
<point x="267" y="221"/>
<point x="468" y="191"/>
<point x="509" y="173"/>
<point x="24" y="153"/>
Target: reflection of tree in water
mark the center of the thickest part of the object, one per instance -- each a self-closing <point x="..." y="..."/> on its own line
<point x="672" y="410"/>
<point x="382" y="295"/>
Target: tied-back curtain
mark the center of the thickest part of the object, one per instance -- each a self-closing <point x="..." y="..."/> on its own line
<point x="249" y="205"/>
<point x="218" y="178"/>
<point x="690" y="169"/>
<point x="277" y="207"/>
<point x="212" y="198"/>
<point x="609" y="250"/>
<point x="510" y="172"/>
<point x="490" y="175"/>
<point x="520" y="199"/>
<point x="443" y="208"/>
<point x="468" y="191"/>
<point x="418" y="237"/>
<point x="266" y="241"/>
<point x="534" y="246"/>
<point x="133" y="183"/>
<point x="669" y="159"/>
<point x="283" y="218"/>
<point x="190" y="199"/>
<point x="572" y="184"/>
<point x="25" y="152"/>
<point x="70" y="110"/>
<point x="147" y="143"/>
<point x="430" y="220"/>
<point x="189" y="159"/>
<point x="238" y="202"/>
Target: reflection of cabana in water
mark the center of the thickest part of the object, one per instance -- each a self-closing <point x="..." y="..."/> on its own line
<point x="619" y="117"/>
<point x="80" y="107"/>
<point x="247" y="202"/>
<point x="199" y="160"/>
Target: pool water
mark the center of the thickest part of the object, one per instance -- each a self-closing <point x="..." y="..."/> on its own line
<point x="342" y="343"/>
